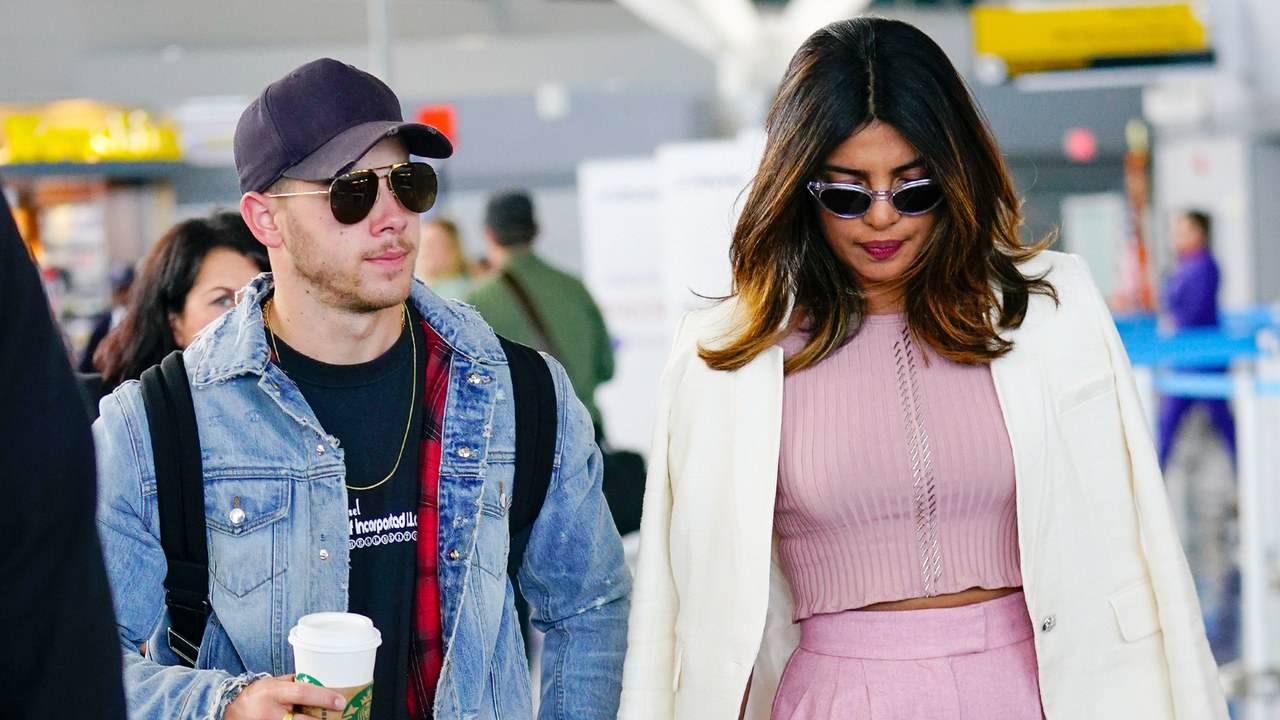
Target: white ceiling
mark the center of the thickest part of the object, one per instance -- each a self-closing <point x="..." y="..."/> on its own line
<point x="63" y="48"/>
<point x="104" y="27"/>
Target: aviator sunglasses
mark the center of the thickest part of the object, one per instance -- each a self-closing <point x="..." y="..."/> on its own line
<point x="848" y="200"/>
<point x="352" y="195"/>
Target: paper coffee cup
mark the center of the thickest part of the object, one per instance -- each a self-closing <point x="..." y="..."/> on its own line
<point x="337" y="650"/>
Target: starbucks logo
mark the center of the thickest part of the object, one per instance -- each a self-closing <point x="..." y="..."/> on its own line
<point x="360" y="706"/>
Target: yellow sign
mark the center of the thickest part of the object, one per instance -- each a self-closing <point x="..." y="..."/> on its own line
<point x="84" y="131"/>
<point x="1076" y="36"/>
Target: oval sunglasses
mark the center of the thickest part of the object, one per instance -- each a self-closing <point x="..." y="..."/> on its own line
<point x="848" y="200"/>
<point x="352" y="195"/>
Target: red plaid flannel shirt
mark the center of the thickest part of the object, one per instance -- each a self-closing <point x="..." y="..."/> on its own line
<point x="426" y="643"/>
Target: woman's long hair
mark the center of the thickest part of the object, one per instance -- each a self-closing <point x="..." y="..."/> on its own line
<point x="844" y="77"/>
<point x="170" y="268"/>
<point x="456" y="264"/>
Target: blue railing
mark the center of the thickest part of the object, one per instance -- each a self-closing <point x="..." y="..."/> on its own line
<point x="1192" y="363"/>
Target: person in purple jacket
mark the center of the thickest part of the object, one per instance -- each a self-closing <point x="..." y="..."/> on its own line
<point x="1191" y="301"/>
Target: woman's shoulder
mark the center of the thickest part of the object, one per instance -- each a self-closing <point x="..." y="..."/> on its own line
<point x="1054" y="265"/>
<point x="1069" y="275"/>
<point x="710" y="327"/>
<point x="1079" y="306"/>
<point x="707" y="322"/>
<point x="1039" y="263"/>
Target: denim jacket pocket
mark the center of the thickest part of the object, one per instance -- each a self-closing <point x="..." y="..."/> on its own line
<point x="247" y="540"/>
<point x="492" y="543"/>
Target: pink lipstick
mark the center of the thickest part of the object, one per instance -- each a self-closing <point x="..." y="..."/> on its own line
<point x="882" y="249"/>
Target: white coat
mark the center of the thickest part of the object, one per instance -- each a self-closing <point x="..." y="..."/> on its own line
<point x="1118" y="629"/>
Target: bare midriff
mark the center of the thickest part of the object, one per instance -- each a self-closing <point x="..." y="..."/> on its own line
<point x="970" y="596"/>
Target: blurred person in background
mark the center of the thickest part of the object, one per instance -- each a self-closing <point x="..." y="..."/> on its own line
<point x="481" y="268"/>
<point x="903" y="469"/>
<point x="57" y="285"/>
<point x="529" y="301"/>
<point x="1191" y="301"/>
<point x="441" y="263"/>
<point x="60" y="657"/>
<point x="120" y="277"/>
<point x="187" y="279"/>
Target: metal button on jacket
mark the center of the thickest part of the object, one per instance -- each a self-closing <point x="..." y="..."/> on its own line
<point x="319" y="449"/>
<point x="236" y="516"/>
<point x="1049" y="623"/>
<point x="454" y="554"/>
<point x="324" y="554"/>
<point x="465" y="452"/>
<point x="476" y="378"/>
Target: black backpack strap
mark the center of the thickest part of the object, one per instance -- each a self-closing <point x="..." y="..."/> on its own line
<point x="175" y="443"/>
<point x="534" y="393"/>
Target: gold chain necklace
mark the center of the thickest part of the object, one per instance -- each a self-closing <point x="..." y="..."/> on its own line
<point x="413" y="392"/>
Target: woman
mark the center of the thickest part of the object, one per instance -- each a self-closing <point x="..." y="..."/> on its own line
<point x="441" y="263"/>
<point x="187" y="280"/>
<point x="905" y="460"/>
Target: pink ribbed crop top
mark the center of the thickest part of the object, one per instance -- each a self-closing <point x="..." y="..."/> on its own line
<point x="895" y="478"/>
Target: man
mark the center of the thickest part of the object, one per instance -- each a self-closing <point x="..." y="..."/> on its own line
<point x="1191" y="302"/>
<point x="333" y="478"/>
<point x="59" y="655"/>
<point x="568" y="323"/>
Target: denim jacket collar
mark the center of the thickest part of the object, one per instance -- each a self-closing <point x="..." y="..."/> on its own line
<point x="236" y="344"/>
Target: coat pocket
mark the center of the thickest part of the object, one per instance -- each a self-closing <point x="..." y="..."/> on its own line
<point x="1135" y="609"/>
<point x="1082" y="392"/>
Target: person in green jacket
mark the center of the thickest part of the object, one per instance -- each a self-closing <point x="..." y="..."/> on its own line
<point x="531" y="302"/>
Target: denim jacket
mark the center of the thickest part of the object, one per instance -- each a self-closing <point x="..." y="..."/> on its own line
<point x="286" y="553"/>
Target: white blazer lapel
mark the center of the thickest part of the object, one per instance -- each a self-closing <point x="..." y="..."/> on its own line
<point x="723" y="457"/>
<point x="1026" y="405"/>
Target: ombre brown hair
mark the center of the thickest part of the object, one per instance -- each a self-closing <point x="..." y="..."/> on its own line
<point x="963" y="288"/>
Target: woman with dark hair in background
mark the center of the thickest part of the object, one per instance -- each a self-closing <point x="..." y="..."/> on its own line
<point x="188" y="279"/>
<point x="903" y="471"/>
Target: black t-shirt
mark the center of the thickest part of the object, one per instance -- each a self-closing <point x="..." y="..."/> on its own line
<point x="367" y="407"/>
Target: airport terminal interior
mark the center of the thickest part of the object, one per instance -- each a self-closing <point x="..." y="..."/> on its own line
<point x="636" y="127"/>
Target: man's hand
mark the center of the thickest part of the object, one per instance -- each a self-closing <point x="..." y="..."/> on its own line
<point x="274" y="698"/>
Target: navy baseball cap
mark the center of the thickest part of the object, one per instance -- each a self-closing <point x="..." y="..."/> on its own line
<point x="315" y="122"/>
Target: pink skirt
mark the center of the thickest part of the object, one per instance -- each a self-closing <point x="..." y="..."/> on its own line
<point x="976" y="662"/>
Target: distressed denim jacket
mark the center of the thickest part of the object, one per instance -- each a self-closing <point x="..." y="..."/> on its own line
<point x="285" y="554"/>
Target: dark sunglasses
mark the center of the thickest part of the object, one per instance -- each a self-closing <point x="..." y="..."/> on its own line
<point x="352" y="195"/>
<point x="848" y="200"/>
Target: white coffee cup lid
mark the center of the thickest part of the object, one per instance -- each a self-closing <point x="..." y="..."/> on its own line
<point x="336" y="632"/>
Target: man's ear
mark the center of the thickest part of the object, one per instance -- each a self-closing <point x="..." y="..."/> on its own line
<point x="259" y="213"/>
